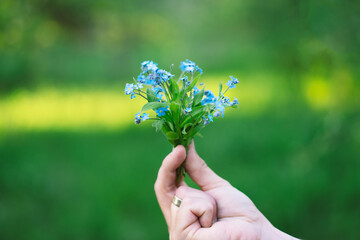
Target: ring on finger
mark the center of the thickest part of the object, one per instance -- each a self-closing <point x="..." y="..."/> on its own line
<point x="176" y="201"/>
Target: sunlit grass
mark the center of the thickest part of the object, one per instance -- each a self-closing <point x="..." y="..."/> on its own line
<point x="75" y="109"/>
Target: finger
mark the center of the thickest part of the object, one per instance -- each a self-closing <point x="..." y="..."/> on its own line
<point x="200" y="173"/>
<point x="215" y="232"/>
<point x="191" y="216"/>
<point x="165" y="185"/>
<point x="197" y="208"/>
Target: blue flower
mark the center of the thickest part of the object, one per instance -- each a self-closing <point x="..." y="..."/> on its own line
<point x="234" y="102"/>
<point x="137" y="118"/>
<point x="129" y="89"/>
<point x="156" y="90"/>
<point x="208" y="93"/>
<point x="141" y="78"/>
<point x="158" y="80"/>
<point x="132" y="95"/>
<point x="196" y="90"/>
<point x="208" y="119"/>
<point x="190" y="67"/>
<point x="164" y="75"/>
<point x="209" y="97"/>
<point x="235" y="80"/>
<point x="148" y="66"/>
<point x="145" y="116"/>
<point x="159" y="96"/>
<point x="138" y="86"/>
<point x="216" y="114"/>
<point x="162" y="111"/>
<point x="186" y="81"/>
<point x="188" y="110"/>
<point x="225" y="100"/>
<point x="220" y="108"/>
<point x="232" y="82"/>
<point x="150" y="80"/>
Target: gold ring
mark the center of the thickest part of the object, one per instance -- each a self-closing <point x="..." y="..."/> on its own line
<point x="176" y="201"/>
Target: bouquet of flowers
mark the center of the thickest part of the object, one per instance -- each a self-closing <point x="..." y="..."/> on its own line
<point x="182" y="107"/>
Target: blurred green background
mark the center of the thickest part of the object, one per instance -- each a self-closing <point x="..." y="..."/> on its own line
<point x="73" y="165"/>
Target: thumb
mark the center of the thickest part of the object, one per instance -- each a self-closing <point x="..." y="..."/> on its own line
<point x="200" y="173"/>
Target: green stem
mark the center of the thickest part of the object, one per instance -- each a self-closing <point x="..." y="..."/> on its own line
<point x="141" y="95"/>
<point x="180" y="171"/>
<point x="226" y="91"/>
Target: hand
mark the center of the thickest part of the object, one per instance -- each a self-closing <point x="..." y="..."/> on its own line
<point x="217" y="211"/>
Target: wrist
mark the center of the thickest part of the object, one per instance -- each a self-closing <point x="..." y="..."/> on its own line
<point x="269" y="232"/>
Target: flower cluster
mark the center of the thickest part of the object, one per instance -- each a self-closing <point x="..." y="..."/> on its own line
<point x="182" y="107"/>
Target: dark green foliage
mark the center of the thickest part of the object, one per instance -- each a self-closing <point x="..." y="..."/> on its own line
<point x="299" y="168"/>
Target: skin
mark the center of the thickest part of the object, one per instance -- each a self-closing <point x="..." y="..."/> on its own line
<point x="216" y="212"/>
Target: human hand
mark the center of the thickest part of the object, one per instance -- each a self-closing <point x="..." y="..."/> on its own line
<point x="217" y="211"/>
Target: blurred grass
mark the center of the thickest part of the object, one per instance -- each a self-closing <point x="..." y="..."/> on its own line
<point x="91" y="185"/>
<point x="74" y="166"/>
<point x="107" y="107"/>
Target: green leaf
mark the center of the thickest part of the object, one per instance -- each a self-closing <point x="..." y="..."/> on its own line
<point x="193" y="83"/>
<point x="151" y="95"/>
<point x="175" y="109"/>
<point x="197" y="110"/>
<point x="220" y="88"/>
<point x="186" y="120"/>
<point x="153" y="105"/>
<point x="196" y="130"/>
<point x="171" y="126"/>
<point x="200" y="135"/>
<point x="165" y="128"/>
<point x="198" y="97"/>
<point x="158" y="124"/>
<point x="186" y="100"/>
<point x="172" y="136"/>
<point x="185" y="127"/>
<point x="174" y="88"/>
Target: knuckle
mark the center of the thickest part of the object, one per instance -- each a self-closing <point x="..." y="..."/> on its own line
<point x="203" y="164"/>
<point x="209" y="207"/>
<point x="213" y="203"/>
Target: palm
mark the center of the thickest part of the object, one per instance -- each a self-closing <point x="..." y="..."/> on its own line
<point x="239" y="219"/>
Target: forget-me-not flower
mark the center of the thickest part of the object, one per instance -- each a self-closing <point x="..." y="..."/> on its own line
<point x="137" y="118"/>
<point x="138" y="86"/>
<point x="225" y="100"/>
<point x="208" y="119"/>
<point x="162" y="111"/>
<point x="145" y="116"/>
<point x="148" y="66"/>
<point x="232" y="82"/>
<point x="190" y="67"/>
<point x="234" y="102"/>
<point x="209" y="97"/>
<point x="141" y="78"/>
<point x="164" y="75"/>
<point x="219" y="107"/>
<point x="196" y="90"/>
<point x="129" y="88"/>
<point x="216" y="114"/>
